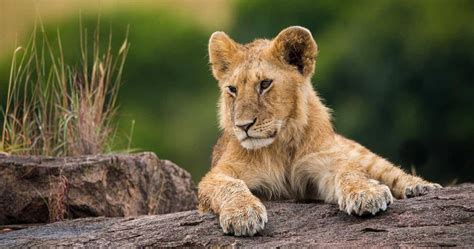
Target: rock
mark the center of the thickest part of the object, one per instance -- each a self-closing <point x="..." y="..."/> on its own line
<point x="442" y="218"/>
<point x="41" y="189"/>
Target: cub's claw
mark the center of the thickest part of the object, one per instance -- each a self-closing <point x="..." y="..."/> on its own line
<point x="370" y="200"/>
<point x="420" y="189"/>
<point x="244" y="217"/>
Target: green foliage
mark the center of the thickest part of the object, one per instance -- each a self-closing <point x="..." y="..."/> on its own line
<point x="398" y="75"/>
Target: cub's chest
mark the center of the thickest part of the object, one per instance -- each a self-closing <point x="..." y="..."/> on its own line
<point x="270" y="179"/>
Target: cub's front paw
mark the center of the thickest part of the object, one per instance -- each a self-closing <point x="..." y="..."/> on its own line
<point x="243" y="216"/>
<point x="417" y="189"/>
<point x="367" y="199"/>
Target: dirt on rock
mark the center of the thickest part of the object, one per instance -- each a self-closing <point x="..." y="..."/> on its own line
<point x="443" y="218"/>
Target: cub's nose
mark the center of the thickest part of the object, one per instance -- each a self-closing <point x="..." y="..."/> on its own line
<point x="245" y="125"/>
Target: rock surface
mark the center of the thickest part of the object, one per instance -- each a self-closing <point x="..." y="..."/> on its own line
<point x="442" y="218"/>
<point x="42" y="189"/>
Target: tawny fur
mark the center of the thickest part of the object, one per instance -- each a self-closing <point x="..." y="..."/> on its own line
<point x="295" y="153"/>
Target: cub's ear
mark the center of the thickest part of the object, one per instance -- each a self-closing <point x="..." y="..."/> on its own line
<point x="295" y="46"/>
<point x="223" y="52"/>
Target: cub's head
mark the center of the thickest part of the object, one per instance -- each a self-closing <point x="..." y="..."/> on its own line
<point x="263" y="84"/>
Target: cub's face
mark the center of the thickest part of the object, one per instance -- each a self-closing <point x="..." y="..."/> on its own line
<point x="257" y="100"/>
<point x="261" y="83"/>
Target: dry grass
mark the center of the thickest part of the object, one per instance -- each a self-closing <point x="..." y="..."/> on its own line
<point x="55" y="109"/>
<point x="57" y="200"/>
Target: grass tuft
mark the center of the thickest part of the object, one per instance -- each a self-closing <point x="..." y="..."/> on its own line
<point x="55" y="109"/>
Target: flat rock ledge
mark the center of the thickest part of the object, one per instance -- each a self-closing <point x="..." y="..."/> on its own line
<point x="37" y="189"/>
<point x="443" y="218"/>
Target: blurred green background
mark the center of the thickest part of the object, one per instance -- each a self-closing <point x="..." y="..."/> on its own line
<point x="397" y="73"/>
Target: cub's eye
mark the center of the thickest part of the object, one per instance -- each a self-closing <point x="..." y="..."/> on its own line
<point x="264" y="84"/>
<point x="232" y="90"/>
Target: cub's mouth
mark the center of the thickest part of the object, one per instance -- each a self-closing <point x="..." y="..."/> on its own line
<point x="258" y="136"/>
<point x="273" y="135"/>
<point x="253" y="142"/>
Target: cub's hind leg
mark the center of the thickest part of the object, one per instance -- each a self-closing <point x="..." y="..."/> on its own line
<point x="401" y="184"/>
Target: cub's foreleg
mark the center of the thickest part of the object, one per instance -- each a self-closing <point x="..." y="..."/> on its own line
<point x="339" y="180"/>
<point x="240" y="212"/>
<point x="358" y="194"/>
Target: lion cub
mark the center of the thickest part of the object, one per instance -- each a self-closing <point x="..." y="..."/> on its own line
<point x="278" y="141"/>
